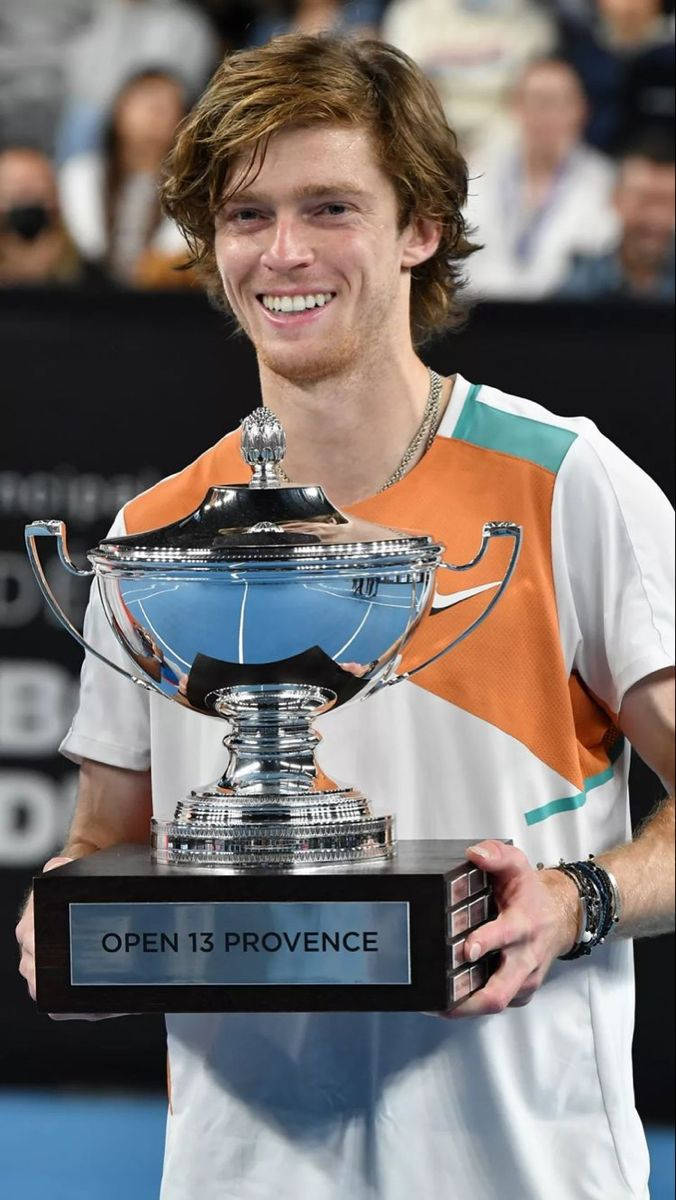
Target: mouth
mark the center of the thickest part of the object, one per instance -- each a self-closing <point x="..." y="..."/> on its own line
<point x="294" y="308"/>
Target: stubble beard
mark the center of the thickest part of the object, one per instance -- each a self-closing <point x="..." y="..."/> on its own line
<point x="337" y="357"/>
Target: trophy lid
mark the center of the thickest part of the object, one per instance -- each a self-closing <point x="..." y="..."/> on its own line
<point x="268" y="519"/>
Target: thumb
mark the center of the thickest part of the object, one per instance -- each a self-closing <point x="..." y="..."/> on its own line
<point x="59" y="860"/>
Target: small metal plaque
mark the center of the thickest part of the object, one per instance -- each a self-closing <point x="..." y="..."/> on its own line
<point x="235" y="943"/>
<point x="477" y="881"/>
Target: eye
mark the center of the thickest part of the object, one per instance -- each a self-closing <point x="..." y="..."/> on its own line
<point x="334" y="209"/>
<point x="243" y="216"/>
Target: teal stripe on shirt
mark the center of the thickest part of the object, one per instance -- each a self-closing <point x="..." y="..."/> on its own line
<point x="569" y="803"/>
<point x="535" y="441"/>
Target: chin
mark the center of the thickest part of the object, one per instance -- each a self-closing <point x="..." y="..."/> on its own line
<point x="312" y="365"/>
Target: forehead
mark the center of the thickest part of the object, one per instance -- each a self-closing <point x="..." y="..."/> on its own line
<point x="548" y="78"/>
<point x="25" y="168"/>
<point x="301" y="161"/>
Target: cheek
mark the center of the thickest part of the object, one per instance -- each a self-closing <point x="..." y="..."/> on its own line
<point x="234" y="261"/>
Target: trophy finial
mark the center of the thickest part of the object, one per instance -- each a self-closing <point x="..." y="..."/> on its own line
<point x="264" y="447"/>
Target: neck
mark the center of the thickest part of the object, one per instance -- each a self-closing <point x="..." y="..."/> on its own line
<point x="349" y="432"/>
<point x="542" y="163"/>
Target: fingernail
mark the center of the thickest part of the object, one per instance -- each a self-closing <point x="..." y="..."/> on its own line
<point x="480" y="851"/>
<point x="475" y="952"/>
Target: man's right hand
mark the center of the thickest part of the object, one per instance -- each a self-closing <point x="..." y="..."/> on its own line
<point x="25" y="936"/>
<point x="25" y="933"/>
<point x="114" y="805"/>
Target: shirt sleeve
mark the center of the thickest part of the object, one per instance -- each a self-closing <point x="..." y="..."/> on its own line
<point x="112" y="722"/>
<point x="613" y="562"/>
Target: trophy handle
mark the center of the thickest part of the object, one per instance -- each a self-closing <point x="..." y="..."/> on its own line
<point x="490" y="530"/>
<point x="57" y="529"/>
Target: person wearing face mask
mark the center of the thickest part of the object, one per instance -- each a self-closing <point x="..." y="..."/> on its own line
<point x="34" y="246"/>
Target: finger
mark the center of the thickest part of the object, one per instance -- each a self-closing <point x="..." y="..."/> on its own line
<point x="59" y="860"/>
<point x="25" y="936"/>
<point x="510" y="928"/>
<point x="507" y="862"/>
<point x="27" y="970"/>
<point x="527" y="990"/>
<point x="496" y="995"/>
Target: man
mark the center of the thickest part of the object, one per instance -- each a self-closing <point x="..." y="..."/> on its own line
<point x="641" y="263"/>
<point x="322" y="191"/>
<point x="540" y="195"/>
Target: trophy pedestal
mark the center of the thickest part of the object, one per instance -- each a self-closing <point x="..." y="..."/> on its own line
<point x="116" y="932"/>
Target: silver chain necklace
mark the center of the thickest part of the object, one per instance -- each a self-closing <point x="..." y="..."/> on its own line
<point x="427" y="429"/>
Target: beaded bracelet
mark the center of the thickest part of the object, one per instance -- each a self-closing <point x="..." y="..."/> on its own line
<point x="600" y="904"/>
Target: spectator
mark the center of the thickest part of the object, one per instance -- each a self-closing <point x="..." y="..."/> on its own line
<point x="642" y="262"/>
<point x="625" y="58"/>
<point x="126" y="37"/>
<point x="541" y="196"/>
<point x="360" y="17"/>
<point x="34" y="246"/>
<point x="110" y="200"/>
<point x="34" y="40"/>
<point x="473" y="51"/>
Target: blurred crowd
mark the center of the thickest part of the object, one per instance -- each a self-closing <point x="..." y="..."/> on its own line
<point x="563" y="108"/>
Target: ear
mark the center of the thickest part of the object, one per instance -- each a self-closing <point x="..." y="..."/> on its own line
<point x="420" y="241"/>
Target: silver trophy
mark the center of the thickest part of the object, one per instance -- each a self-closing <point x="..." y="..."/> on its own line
<point x="266" y="607"/>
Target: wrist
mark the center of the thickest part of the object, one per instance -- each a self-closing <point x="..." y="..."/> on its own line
<point x="566" y="903"/>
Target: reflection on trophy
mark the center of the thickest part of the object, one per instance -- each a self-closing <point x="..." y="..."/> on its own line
<point x="267" y="607"/>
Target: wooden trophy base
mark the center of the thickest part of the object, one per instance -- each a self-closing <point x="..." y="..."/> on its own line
<point x="117" y="933"/>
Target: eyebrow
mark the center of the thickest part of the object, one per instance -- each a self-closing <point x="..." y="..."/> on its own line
<point x="307" y="191"/>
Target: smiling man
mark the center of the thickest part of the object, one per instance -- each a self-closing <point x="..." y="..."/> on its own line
<point x="322" y="192"/>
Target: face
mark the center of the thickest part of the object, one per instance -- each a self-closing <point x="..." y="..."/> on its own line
<point x="551" y="108"/>
<point x="26" y="178"/>
<point x="312" y="258"/>
<point x="629" y="16"/>
<point x="149" y="111"/>
<point x="645" y="203"/>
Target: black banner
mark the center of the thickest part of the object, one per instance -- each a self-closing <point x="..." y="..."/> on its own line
<point x="104" y="394"/>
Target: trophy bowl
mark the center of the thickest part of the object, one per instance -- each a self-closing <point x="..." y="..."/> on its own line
<point x="267" y="606"/>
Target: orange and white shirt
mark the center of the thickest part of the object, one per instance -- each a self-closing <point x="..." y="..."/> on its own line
<point x="512" y="735"/>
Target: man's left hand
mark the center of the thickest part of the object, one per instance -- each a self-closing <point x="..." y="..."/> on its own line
<point x="537" y="920"/>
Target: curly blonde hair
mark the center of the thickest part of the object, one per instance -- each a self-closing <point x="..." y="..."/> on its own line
<point x="304" y="80"/>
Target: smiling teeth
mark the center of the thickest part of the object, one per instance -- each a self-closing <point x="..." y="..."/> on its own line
<point x="296" y="303"/>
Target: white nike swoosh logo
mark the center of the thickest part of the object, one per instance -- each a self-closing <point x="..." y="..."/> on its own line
<point x="440" y="602"/>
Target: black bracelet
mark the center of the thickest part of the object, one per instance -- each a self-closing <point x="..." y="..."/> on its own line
<point x="600" y="906"/>
<point x="590" y="910"/>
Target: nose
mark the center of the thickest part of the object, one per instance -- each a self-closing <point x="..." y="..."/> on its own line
<point x="288" y="246"/>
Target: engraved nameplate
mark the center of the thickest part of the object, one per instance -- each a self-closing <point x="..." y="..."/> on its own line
<point x="235" y="942"/>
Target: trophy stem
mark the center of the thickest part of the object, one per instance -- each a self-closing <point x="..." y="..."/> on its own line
<point x="273" y="806"/>
<point x="272" y="742"/>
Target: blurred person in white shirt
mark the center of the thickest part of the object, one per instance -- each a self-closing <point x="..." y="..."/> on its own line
<point x="110" y="200"/>
<point x="473" y="51"/>
<point x="539" y="196"/>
